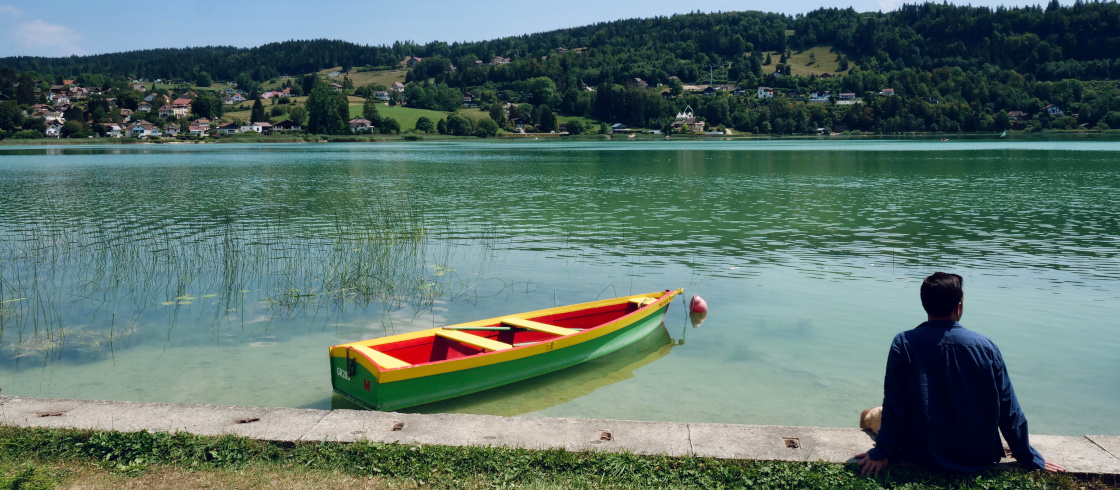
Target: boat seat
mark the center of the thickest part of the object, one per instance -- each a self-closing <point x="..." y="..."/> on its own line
<point x="640" y="302"/>
<point x="473" y="340"/>
<point x="538" y="326"/>
<point x="380" y="358"/>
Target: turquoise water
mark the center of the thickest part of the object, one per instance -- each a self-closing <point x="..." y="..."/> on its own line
<point x="221" y="273"/>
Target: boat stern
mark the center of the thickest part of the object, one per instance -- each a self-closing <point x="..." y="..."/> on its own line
<point x="352" y="379"/>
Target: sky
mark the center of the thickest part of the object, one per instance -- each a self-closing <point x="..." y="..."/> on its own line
<point x="69" y="27"/>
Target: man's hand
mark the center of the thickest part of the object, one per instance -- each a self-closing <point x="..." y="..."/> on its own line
<point x="868" y="465"/>
<point x="1053" y="467"/>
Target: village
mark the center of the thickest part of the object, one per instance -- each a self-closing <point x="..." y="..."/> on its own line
<point x="169" y="113"/>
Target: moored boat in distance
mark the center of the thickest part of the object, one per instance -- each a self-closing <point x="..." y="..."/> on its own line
<point x="410" y="369"/>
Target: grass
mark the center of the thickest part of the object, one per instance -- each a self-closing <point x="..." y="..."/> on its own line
<point x="801" y="64"/>
<point x="406" y="116"/>
<point x="384" y="77"/>
<point x="46" y="458"/>
<point x="371" y="251"/>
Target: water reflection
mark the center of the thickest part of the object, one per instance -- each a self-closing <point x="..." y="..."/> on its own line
<point x="189" y="272"/>
<point x="549" y="390"/>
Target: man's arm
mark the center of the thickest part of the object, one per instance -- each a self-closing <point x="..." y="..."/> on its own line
<point x="895" y="409"/>
<point x="1012" y="421"/>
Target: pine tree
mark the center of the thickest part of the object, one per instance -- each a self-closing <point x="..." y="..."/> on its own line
<point x="258" y="114"/>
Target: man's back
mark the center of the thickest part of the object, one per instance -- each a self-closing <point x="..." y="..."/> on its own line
<point x="946" y="397"/>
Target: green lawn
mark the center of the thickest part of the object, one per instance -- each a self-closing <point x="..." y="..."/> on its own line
<point x="48" y="458"/>
<point x="406" y="116"/>
<point x="799" y="62"/>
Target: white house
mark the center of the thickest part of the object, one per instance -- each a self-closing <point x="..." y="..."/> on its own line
<point x="226" y="129"/>
<point x="140" y="130"/>
<point x="358" y="125"/>
<point x="820" y="96"/>
<point x="54" y="129"/>
<point x="765" y="92"/>
<point x="1053" y="110"/>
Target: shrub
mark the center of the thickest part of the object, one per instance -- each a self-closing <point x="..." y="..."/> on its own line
<point x="27" y="134"/>
<point x="425" y="125"/>
<point x="486" y="128"/>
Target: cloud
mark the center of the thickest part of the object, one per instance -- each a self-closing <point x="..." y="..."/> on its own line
<point x="889" y="5"/>
<point x="46" y="39"/>
<point x="8" y="9"/>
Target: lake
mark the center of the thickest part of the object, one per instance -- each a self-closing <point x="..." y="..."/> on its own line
<point x="222" y="273"/>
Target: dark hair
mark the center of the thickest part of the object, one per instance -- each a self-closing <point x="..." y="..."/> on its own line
<point x="941" y="292"/>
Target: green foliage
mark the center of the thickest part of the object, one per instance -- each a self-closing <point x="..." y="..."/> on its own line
<point x="135" y="453"/>
<point x="298" y="114"/>
<point x="389" y="125"/>
<point x="327" y="111"/>
<point x="425" y="125"/>
<point x="367" y="91"/>
<point x="458" y="125"/>
<point x="574" y="126"/>
<point x="498" y="113"/>
<point x="437" y="97"/>
<point x="369" y="111"/>
<point x="71" y="128"/>
<point x="258" y="114"/>
<point x="25" y="91"/>
<point x="486" y="128"/>
<point x="10" y="115"/>
<point x="203" y="79"/>
<point x="975" y="60"/>
<point x="545" y="119"/>
<point x="27" y="134"/>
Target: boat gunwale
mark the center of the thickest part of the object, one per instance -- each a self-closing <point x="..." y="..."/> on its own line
<point x="384" y="375"/>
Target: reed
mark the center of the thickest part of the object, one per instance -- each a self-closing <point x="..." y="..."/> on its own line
<point x="131" y="278"/>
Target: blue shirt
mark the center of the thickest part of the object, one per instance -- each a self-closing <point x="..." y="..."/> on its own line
<point x="946" y="397"/>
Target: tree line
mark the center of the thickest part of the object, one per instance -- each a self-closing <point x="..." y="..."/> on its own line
<point x="953" y="68"/>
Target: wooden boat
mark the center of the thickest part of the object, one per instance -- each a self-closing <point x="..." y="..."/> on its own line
<point x="409" y="369"/>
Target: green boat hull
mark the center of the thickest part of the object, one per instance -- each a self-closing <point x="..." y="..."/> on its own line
<point x="363" y="388"/>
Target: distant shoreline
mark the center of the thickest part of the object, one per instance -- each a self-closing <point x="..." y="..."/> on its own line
<point x="408" y="138"/>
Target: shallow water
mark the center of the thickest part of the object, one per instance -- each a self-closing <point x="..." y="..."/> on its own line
<point x="221" y="273"/>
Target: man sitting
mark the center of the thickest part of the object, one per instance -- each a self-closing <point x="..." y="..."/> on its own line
<point x="947" y="394"/>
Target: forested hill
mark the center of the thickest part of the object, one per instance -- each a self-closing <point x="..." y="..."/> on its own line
<point x="1052" y="43"/>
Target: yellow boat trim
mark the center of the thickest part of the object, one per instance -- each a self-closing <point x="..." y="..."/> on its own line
<point x="538" y="326"/>
<point x="441" y="367"/>
<point x="473" y="340"/>
<point x="382" y="359"/>
<point x="640" y="302"/>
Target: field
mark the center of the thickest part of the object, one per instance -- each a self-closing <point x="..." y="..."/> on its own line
<point x="801" y="65"/>
<point x="384" y="77"/>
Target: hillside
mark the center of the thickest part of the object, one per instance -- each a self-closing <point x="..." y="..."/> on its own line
<point x="928" y="67"/>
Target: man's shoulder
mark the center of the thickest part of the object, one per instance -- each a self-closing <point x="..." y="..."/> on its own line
<point x="958" y="334"/>
<point x="972" y="336"/>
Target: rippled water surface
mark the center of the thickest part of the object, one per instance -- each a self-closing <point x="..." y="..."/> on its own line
<point x="221" y="273"/>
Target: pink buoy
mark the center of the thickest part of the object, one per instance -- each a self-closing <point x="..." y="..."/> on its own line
<point x="697" y="305"/>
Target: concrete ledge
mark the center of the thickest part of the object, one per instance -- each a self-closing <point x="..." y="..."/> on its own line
<point x="1089" y="454"/>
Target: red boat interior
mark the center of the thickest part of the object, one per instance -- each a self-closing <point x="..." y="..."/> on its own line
<point x="443" y="348"/>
